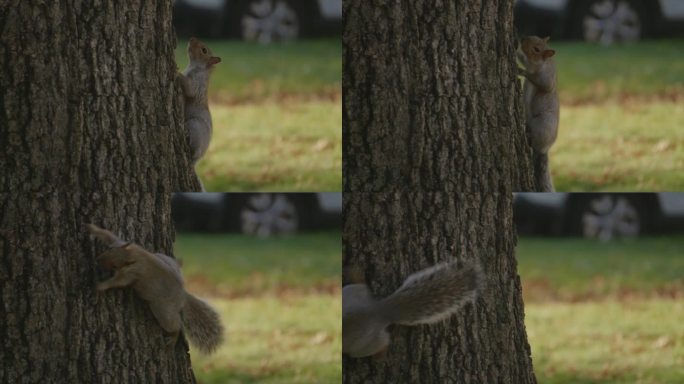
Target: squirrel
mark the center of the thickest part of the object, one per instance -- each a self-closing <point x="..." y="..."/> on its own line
<point x="195" y="84"/>
<point x="157" y="279"/>
<point x="425" y="297"/>
<point x="541" y="102"/>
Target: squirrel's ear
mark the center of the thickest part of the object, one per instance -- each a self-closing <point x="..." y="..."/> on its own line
<point x="548" y="53"/>
<point x="214" y="60"/>
<point x="546" y="39"/>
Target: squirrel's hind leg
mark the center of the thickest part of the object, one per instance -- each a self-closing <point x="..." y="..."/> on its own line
<point x="543" y="130"/>
<point x="199" y="134"/>
<point x="167" y="317"/>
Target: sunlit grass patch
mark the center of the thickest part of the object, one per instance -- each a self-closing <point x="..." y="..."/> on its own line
<point x="275" y="147"/>
<point x="634" y="341"/>
<point x="279" y="299"/>
<point x="620" y="147"/>
<point x="604" y="312"/>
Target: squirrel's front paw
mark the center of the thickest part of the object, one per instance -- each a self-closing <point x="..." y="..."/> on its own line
<point x="102" y="287"/>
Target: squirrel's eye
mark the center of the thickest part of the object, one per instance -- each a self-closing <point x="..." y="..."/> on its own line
<point x="204" y="50"/>
<point x="536" y="49"/>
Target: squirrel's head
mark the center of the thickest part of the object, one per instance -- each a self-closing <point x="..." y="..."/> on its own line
<point x="200" y="53"/>
<point x="535" y="48"/>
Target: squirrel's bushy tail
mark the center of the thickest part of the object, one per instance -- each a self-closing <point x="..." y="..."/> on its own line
<point x="542" y="174"/>
<point x="202" y="325"/>
<point x="434" y="293"/>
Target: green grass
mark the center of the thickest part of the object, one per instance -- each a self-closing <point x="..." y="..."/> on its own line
<point x="622" y="108"/>
<point x="637" y="341"/>
<point x="572" y="268"/>
<point x="285" y="339"/>
<point x="280" y="301"/>
<point x="604" y="312"/>
<point x="295" y="146"/>
<point x="262" y="265"/>
<point x="250" y="72"/>
<point x="620" y="147"/>
<point x="594" y="73"/>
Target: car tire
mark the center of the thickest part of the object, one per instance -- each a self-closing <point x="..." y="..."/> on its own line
<point x="608" y="216"/>
<point x="267" y="21"/>
<point x="610" y="21"/>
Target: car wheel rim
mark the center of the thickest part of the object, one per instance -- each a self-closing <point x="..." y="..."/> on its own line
<point x="266" y="214"/>
<point x="610" y="21"/>
<point x="266" y="21"/>
<point x="609" y="217"/>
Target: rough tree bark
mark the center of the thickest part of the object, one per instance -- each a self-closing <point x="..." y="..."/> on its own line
<point x="88" y="99"/>
<point x="91" y="131"/>
<point x="391" y="235"/>
<point x="430" y="97"/>
<point x="434" y="145"/>
<point x="54" y="326"/>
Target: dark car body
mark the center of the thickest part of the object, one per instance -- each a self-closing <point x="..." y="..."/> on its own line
<point x="566" y="18"/>
<point x="586" y="214"/>
<point x="256" y="213"/>
<point x="221" y="18"/>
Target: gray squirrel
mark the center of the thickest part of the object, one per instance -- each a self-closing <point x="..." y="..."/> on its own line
<point x="541" y="103"/>
<point x="195" y="84"/>
<point x="425" y="297"/>
<point x="157" y="279"/>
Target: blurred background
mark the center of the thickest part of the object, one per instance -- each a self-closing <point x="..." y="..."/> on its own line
<point x="260" y="214"/>
<point x="603" y="284"/>
<point x="602" y="216"/>
<point x="601" y="21"/>
<point x="270" y="263"/>
<point x="275" y="98"/>
<point x="621" y="87"/>
<point x="263" y="21"/>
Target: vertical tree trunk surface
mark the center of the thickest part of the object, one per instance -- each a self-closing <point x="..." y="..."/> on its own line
<point x="92" y="131"/>
<point x="431" y="100"/>
<point x="392" y="235"/>
<point x="54" y="326"/>
<point x="88" y="100"/>
<point x="434" y="144"/>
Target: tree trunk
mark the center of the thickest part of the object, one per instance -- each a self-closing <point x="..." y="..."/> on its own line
<point x="88" y="98"/>
<point x="92" y="131"/>
<point x="54" y="326"/>
<point x="430" y="98"/>
<point x="434" y="145"/>
<point x="391" y="235"/>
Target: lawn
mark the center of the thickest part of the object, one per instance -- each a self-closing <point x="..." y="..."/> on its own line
<point x="280" y="301"/>
<point x="285" y="146"/>
<point x="604" y="312"/>
<point x="630" y="146"/>
<point x="622" y="109"/>
<point x="277" y="116"/>
<point x="590" y="73"/>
